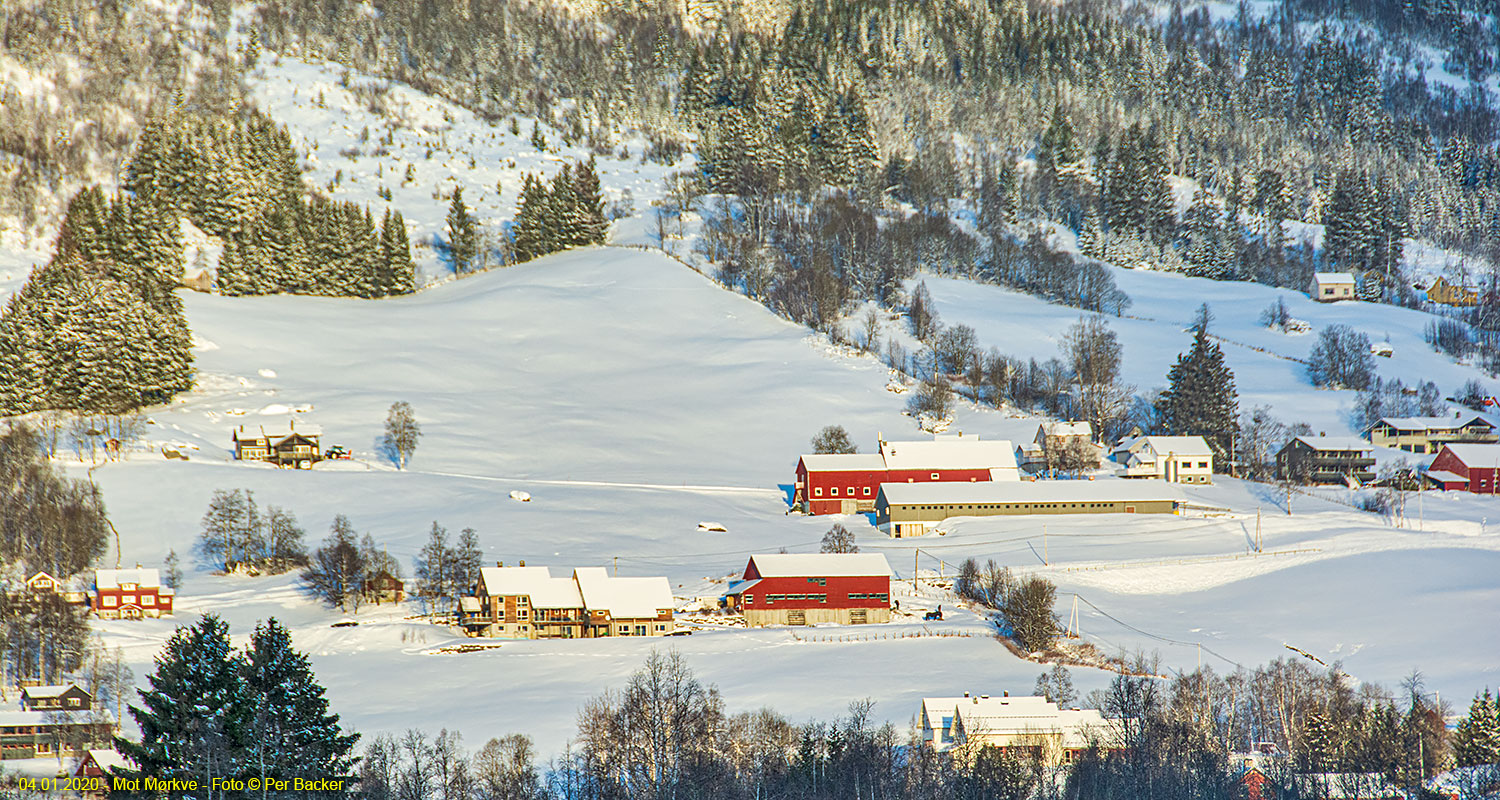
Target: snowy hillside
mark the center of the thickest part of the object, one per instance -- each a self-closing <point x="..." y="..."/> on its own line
<point x="633" y="398"/>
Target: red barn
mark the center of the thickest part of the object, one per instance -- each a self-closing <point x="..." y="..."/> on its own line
<point x="1467" y="467"/>
<point x="848" y="484"/>
<point x="841" y="588"/>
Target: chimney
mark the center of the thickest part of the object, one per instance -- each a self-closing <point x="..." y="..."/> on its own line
<point x="137" y="565"/>
<point x="1006" y="693"/>
<point x="523" y="562"/>
<point x="499" y="563"/>
<point x="966" y="694"/>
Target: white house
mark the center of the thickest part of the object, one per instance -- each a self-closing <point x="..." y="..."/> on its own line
<point x="1330" y="286"/>
<point x="1033" y="723"/>
<point x="1178" y="459"/>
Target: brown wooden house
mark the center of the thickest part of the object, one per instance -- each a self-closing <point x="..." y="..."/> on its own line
<point x="384" y="587"/>
<point x="65" y="697"/>
<point x="295" y="447"/>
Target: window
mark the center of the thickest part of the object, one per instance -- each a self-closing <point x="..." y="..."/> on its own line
<point x="661" y="627"/>
<point x="818" y="581"/>
<point x="1328" y="290"/>
<point x="867" y="491"/>
<point x="640" y="630"/>
<point x="1202" y="465"/>
<point x="834" y="491"/>
<point x="851" y="491"/>
<point x="74" y="702"/>
<point x="624" y="630"/>
<point x="130" y="599"/>
<point x="148" y="600"/>
<point x="109" y="602"/>
<point x="935" y="476"/>
<point x="749" y="598"/>
<point x="817" y="492"/>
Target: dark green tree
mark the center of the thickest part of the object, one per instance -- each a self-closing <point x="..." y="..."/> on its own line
<point x="294" y="735"/>
<point x="1200" y="398"/>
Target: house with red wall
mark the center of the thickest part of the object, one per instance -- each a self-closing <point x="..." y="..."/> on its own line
<point x="848" y="483"/>
<point x="130" y="594"/>
<point x="1467" y="467"/>
<point x="839" y="588"/>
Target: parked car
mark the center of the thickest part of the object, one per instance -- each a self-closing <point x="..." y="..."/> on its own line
<point x="337" y="451"/>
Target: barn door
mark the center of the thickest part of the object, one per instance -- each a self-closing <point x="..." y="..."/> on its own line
<point x="848" y="506"/>
<point x="796" y="616"/>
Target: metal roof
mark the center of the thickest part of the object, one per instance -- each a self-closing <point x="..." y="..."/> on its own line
<point x="784" y="565"/>
<point x="1104" y="489"/>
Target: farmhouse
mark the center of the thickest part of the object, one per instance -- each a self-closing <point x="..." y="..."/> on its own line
<point x="44" y="584"/>
<point x="285" y="447"/>
<point x="99" y="764"/>
<point x="66" y="697"/>
<point x="839" y="588"/>
<point x="1467" y="468"/>
<point x="846" y="483"/>
<point x="1326" y="459"/>
<point x="130" y="594"/>
<point x="904" y="510"/>
<point x="528" y="603"/>
<point x="37" y="734"/>
<point x="1330" y="286"/>
<point x="1030" y="724"/>
<point x="1178" y="459"/>
<point x="1429" y="434"/>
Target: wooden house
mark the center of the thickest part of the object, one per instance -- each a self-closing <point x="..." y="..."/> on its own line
<point x="285" y="447"/>
<point x="847" y="483"/>
<point x="43" y="734"/>
<point x="130" y="594"/>
<point x="839" y="588"/>
<point x="1429" y="434"/>
<point x="383" y="587"/>
<point x="65" y="697"/>
<point x="1176" y="459"/>
<point x="1328" y="287"/>
<point x="42" y="583"/>
<point x="1450" y="294"/>
<point x="1033" y="725"/>
<point x="1342" y="460"/>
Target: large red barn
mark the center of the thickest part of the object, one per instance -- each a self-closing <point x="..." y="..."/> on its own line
<point x="840" y="588"/>
<point x="849" y="483"/>
<point x="1467" y="467"/>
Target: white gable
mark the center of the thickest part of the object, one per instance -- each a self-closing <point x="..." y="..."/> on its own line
<point x="537" y="583"/>
<point x="623" y="598"/>
<point x="143" y="577"/>
<point x="950" y="452"/>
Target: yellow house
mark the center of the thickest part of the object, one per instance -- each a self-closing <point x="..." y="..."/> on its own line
<point x="1450" y="294"/>
<point x="1330" y="286"/>
<point x="1024" y="725"/>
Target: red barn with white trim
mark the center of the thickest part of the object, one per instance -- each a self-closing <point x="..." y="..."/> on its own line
<point x="840" y="588"/>
<point x="849" y="483"/>
<point x="1467" y="467"/>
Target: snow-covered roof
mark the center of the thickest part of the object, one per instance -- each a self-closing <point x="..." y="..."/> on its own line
<point x="1103" y="490"/>
<point x="145" y="577"/>
<point x="623" y="598"/>
<point x="468" y="603"/>
<point x="1334" y="277"/>
<point x="537" y="583"/>
<point x="741" y="586"/>
<point x="935" y="708"/>
<point x="1445" y="476"/>
<point x="47" y="691"/>
<point x="1178" y="445"/>
<point x="277" y="431"/>
<point x="839" y="462"/>
<point x="1075" y="428"/>
<point x="950" y="452"/>
<point x="1430" y="423"/>
<point x="784" y="565"/>
<point x="108" y="760"/>
<point x="1476" y="455"/>
<point x="1013" y="716"/>
<point x="1336" y="443"/>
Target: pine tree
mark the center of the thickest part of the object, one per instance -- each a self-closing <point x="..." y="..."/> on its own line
<point x="196" y="720"/>
<point x="398" y="272"/>
<point x="295" y="736"/>
<point x="530" y="225"/>
<point x="1200" y="398"/>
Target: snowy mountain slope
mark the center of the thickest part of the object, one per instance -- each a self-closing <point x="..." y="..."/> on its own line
<point x="1267" y="364"/>
<point x="632" y="398"/>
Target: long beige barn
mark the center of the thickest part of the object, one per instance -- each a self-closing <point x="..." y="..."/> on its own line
<point x="912" y="509"/>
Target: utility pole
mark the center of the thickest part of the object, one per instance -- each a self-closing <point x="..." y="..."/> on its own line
<point x="1257" y="529"/>
<point x="1046" y="560"/>
<point x="617" y="566"/>
<point x="914" y="553"/>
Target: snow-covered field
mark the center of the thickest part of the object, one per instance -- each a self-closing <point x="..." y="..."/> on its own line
<point x="632" y="398"/>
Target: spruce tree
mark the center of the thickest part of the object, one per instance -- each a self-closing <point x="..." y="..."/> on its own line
<point x="196" y="720"/>
<point x="294" y="735"/>
<point x="590" y="203"/>
<point x="1200" y="398"/>
<point x="1477" y="738"/>
<point x="530" y="225"/>
<point x="463" y="237"/>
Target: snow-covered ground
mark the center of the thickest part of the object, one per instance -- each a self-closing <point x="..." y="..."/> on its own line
<point x="632" y="398"/>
